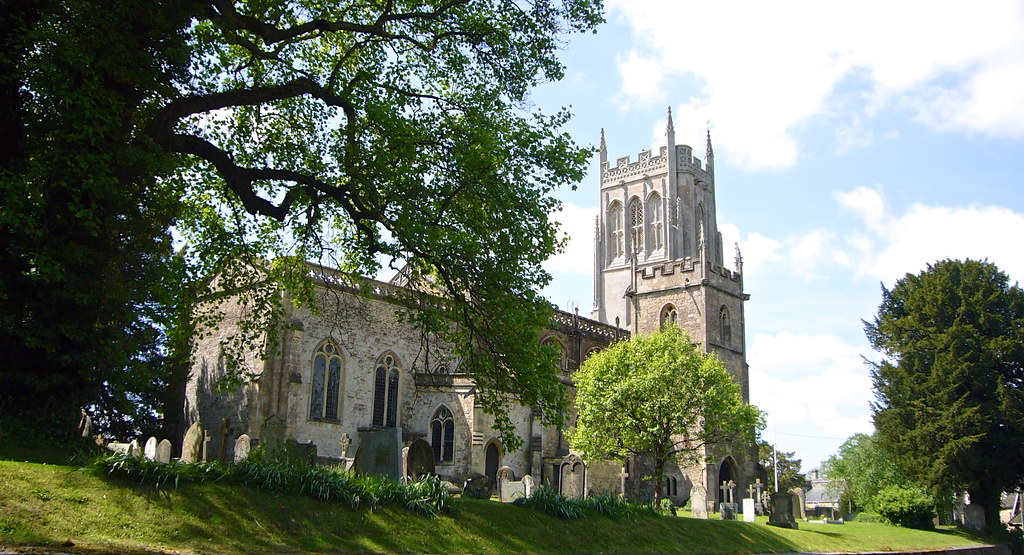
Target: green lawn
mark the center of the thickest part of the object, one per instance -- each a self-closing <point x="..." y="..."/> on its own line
<point x="54" y="506"/>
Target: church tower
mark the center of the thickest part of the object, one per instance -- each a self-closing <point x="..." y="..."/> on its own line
<point x="659" y="260"/>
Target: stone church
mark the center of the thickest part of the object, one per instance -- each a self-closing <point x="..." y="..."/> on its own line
<point x="358" y="385"/>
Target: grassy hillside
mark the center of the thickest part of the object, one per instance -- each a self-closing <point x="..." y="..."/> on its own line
<point x="77" y="510"/>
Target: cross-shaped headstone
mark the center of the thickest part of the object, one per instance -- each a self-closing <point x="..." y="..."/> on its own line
<point x="345" y="442"/>
<point x="751" y="490"/>
<point x="226" y="431"/>
<point x="206" y="444"/>
<point x="729" y="486"/>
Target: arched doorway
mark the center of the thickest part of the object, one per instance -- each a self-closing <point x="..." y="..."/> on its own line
<point x="492" y="460"/>
<point x="727" y="485"/>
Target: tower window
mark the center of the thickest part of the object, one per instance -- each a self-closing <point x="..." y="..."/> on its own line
<point x="615" y="239"/>
<point x="636" y="226"/>
<point x="669" y="317"/>
<point x="325" y="392"/>
<point x="442" y="435"/>
<point x="655" y="239"/>
<point x="726" y="327"/>
<point x="385" y="393"/>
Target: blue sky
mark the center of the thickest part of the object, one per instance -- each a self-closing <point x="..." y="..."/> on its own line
<point x="854" y="142"/>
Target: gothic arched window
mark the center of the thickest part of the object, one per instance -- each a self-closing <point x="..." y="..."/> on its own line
<point x="726" y="327"/>
<point x="563" y="357"/>
<point x="442" y="435"/>
<point x="655" y="238"/>
<point x="325" y="390"/>
<point x="636" y="225"/>
<point x="669" y="317"/>
<point x="615" y="238"/>
<point x="385" y="392"/>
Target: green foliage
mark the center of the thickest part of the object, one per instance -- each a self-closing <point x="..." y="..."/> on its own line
<point x="950" y="390"/>
<point x="860" y="470"/>
<point x="265" y="135"/>
<point x="667" y="507"/>
<point x="658" y="395"/>
<point x="548" y="501"/>
<point x="908" y="507"/>
<point x="280" y="474"/>
<point x="789" y="467"/>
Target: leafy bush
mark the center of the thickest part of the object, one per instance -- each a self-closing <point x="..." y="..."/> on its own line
<point x="549" y="501"/>
<point x="271" y="472"/>
<point x="667" y="507"/>
<point x="907" y="507"/>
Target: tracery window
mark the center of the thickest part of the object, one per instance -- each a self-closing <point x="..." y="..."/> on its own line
<point x="563" y="358"/>
<point x="655" y="238"/>
<point x="442" y="435"/>
<point x="669" y="317"/>
<point x="726" y="327"/>
<point x="615" y="237"/>
<point x="636" y="225"/>
<point x="385" y="392"/>
<point x="325" y="392"/>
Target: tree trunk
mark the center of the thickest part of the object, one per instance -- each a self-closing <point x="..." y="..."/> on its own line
<point x="990" y="500"/>
<point x="659" y="477"/>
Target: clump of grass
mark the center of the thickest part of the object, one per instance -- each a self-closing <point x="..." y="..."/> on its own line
<point x="549" y="501"/>
<point x="277" y="473"/>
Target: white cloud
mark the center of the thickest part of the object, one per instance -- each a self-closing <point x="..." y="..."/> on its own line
<point x="578" y="224"/>
<point x="815" y="389"/>
<point x="764" y="68"/>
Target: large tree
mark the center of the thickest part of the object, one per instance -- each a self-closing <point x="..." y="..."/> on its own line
<point x="267" y="134"/>
<point x="659" y="396"/>
<point x="950" y="388"/>
<point x="860" y="469"/>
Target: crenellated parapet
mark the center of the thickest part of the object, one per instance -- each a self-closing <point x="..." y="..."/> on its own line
<point x="687" y="162"/>
<point x="646" y="164"/>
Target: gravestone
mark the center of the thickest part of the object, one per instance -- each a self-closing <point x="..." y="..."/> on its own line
<point x="799" y="502"/>
<point x="508" y="489"/>
<point x="116" y="447"/>
<point x="728" y="511"/>
<point x="974" y="517"/>
<point x="85" y="425"/>
<point x="419" y="460"/>
<point x="150" y="450"/>
<point x="749" y="512"/>
<point x="272" y="433"/>
<point x="242" y="447"/>
<point x="380" y="452"/>
<point x="133" y="449"/>
<point x="163" y="451"/>
<point x="782" y="511"/>
<point x="478" y="487"/>
<point x="192" y="445"/>
<point x="572" y="477"/>
<point x="305" y="452"/>
<point x="699" y="501"/>
<point x="345" y="443"/>
<point x="225" y="433"/>
<point x="529" y="485"/>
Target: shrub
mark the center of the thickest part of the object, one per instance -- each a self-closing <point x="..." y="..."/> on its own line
<point x="667" y="507"/>
<point x="270" y="472"/>
<point x="907" y="507"/>
<point x="549" y="501"/>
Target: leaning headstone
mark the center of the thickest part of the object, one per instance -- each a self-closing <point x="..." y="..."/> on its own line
<point x="85" y="425"/>
<point x="116" y="447"/>
<point x="150" y="449"/>
<point x="163" y="451"/>
<point x="749" y="510"/>
<point x="272" y="433"/>
<point x="503" y="477"/>
<point x="242" y="447"/>
<point x="782" y="511"/>
<point x="133" y="449"/>
<point x="192" y="445"/>
<point x="728" y="511"/>
<point x="477" y="487"/>
<point x="974" y="517"/>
